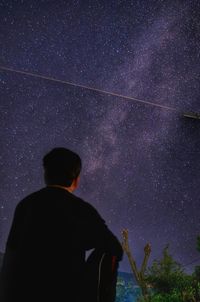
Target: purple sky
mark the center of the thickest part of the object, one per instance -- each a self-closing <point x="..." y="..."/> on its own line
<point x="141" y="166"/>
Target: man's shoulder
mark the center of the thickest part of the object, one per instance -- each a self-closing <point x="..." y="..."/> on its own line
<point x="60" y="194"/>
<point x="30" y="197"/>
<point x="83" y="203"/>
<point x="92" y="212"/>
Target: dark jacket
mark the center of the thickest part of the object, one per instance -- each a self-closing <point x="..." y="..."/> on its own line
<point x="45" y="251"/>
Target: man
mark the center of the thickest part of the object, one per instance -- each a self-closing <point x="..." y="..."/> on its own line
<point x="50" y="233"/>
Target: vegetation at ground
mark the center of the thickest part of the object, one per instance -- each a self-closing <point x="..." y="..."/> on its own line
<point x="165" y="280"/>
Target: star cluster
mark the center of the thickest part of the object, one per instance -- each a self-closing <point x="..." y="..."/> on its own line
<point x="141" y="166"/>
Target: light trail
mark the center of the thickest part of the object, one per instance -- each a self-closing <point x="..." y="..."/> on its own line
<point x="152" y="103"/>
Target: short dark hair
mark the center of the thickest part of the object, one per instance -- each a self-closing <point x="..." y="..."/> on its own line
<point x="61" y="166"/>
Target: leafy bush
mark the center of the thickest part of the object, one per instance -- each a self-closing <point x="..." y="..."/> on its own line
<point x="169" y="282"/>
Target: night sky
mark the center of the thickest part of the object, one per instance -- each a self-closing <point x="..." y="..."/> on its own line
<point x="141" y="163"/>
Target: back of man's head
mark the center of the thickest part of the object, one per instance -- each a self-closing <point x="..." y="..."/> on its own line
<point x="61" y="167"/>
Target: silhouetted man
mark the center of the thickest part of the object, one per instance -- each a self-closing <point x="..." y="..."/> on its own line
<point x="50" y="233"/>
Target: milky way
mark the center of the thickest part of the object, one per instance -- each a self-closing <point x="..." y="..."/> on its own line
<point x="141" y="166"/>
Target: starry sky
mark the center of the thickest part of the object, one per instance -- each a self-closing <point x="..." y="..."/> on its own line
<point x="141" y="163"/>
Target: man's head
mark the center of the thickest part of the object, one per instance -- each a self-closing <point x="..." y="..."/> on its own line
<point x="62" y="167"/>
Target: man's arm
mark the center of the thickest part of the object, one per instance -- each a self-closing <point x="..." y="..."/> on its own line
<point x="16" y="229"/>
<point x="12" y="248"/>
<point x="100" y="237"/>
